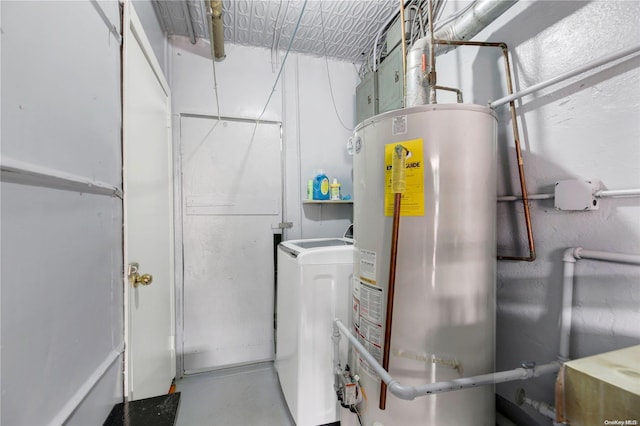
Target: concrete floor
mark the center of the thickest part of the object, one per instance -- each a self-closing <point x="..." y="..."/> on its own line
<point x="241" y="396"/>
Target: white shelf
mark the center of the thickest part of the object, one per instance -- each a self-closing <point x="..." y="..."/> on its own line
<point x="327" y="201"/>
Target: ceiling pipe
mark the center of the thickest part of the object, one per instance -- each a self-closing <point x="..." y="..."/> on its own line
<point x="464" y="27"/>
<point x="483" y="13"/>
<point x="216" y="30"/>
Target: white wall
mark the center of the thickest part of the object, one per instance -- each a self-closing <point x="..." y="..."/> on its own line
<point x="313" y="138"/>
<point x="61" y="254"/>
<point x="320" y="132"/>
<point x="586" y="127"/>
<point x="148" y="16"/>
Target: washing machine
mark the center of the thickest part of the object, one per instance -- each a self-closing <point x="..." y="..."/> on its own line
<point x="313" y="288"/>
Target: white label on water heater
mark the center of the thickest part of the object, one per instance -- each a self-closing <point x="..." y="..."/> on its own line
<point x="368" y="266"/>
<point x="372" y="333"/>
<point x="355" y="314"/>
<point x="370" y="323"/>
<point x="371" y="303"/>
<point x="364" y="366"/>
<point x="399" y="125"/>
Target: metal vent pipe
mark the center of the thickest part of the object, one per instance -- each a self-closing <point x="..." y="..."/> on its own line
<point x="216" y="30"/>
<point x="465" y="27"/>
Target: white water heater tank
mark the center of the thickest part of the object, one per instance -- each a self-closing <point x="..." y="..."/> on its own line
<point x="444" y="311"/>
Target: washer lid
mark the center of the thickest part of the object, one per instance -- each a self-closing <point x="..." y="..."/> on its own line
<point x="309" y="244"/>
<point x="319" y="249"/>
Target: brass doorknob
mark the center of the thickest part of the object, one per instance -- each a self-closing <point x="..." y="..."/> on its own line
<point x="145" y="279"/>
<point x="135" y="278"/>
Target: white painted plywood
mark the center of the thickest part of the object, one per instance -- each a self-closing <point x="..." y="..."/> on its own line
<point x="146" y="11"/>
<point x="231" y="174"/>
<point x="245" y="80"/>
<point x="101" y="398"/>
<point x="61" y="297"/>
<point x="61" y="281"/>
<point x="60" y="97"/>
<point x="324" y="131"/>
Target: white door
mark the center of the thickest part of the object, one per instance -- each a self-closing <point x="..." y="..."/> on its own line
<point x="231" y="186"/>
<point x="148" y="225"/>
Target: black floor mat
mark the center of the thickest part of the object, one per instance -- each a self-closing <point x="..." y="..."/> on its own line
<point x="157" y="411"/>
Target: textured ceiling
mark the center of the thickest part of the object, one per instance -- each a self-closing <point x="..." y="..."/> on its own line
<point x="350" y="26"/>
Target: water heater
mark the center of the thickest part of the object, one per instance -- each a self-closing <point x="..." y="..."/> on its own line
<point x="444" y="310"/>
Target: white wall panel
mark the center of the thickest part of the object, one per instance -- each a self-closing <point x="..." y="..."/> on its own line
<point x="245" y="80"/>
<point x="313" y="136"/>
<point x="61" y="296"/>
<point x="59" y="87"/>
<point x="585" y="127"/>
<point x="102" y="397"/>
<point x="148" y="17"/>
<point x="61" y="251"/>
<point x="295" y="187"/>
<point x="323" y="133"/>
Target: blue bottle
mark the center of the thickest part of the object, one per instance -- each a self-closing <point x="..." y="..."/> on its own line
<point x="321" y="186"/>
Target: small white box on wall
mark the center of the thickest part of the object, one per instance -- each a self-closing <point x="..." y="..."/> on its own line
<point x="576" y="194"/>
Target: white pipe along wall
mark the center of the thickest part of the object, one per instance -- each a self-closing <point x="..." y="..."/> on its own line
<point x="570" y="257"/>
<point x="411" y="392"/>
<point x="599" y="194"/>
<point x="577" y="71"/>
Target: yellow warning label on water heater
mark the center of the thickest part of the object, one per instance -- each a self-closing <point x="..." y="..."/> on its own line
<point x="413" y="197"/>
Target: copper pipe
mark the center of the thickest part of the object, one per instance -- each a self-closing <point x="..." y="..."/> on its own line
<point x="404" y="53"/>
<point x="523" y="184"/>
<point x="390" y="296"/>
<point x="458" y="92"/>
<point x="516" y="139"/>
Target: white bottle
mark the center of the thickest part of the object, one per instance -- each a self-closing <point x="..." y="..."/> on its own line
<point x="335" y="190"/>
